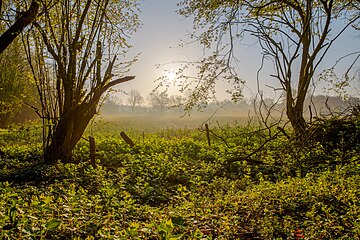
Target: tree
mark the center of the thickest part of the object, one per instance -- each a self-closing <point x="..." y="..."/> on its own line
<point x="176" y="100"/>
<point x="111" y="105"/>
<point x="159" y="100"/>
<point x="135" y="98"/>
<point x="23" y="20"/>
<point x="295" y="35"/>
<point x="72" y="51"/>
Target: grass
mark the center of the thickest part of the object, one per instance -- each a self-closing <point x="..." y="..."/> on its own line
<point x="172" y="185"/>
<point x="150" y="122"/>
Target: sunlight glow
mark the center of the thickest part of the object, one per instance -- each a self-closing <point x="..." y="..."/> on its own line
<point x="171" y="75"/>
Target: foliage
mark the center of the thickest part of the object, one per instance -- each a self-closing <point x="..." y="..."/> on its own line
<point x="172" y="185"/>
<point x="338" y="133"/>
<point x="16" y="84"/>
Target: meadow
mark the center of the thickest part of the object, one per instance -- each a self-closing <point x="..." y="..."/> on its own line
<point x="250" y="183"/>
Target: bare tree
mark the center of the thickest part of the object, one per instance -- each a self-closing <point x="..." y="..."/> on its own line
<point x="135" y="98"/>
<point x="73" y="59"/>
<point x="295" y="35"/>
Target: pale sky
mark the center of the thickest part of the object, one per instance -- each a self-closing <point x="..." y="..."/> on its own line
<point x="158" y="40"/>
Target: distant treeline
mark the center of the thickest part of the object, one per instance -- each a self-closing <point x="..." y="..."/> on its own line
<point x="316" y="106"/>
<point x="320" y="105"/>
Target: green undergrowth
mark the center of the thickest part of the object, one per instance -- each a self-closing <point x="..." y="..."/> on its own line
<point x="172" y="185"/>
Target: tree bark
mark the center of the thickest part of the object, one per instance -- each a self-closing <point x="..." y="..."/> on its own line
<point x="297" y="120"/>
<point x="68" y="132"/>
<point x="72" y="125"/>
<point x="24" y="20"/>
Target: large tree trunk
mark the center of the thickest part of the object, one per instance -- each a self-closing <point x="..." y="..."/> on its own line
<point x="68" y="132"/>
<point x="72" y="124"/>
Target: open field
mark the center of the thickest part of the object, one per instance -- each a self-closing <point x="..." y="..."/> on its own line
<point x="172" y="185"/>
<point x="153" y="121"/>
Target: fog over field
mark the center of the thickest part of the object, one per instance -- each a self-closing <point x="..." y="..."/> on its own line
<point x="224" y="112"/>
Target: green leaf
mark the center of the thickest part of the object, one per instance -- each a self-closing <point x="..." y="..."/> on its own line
<point x="178" y="220"/>
<point x="53" y="224"/>
<point x="176" y="237"/>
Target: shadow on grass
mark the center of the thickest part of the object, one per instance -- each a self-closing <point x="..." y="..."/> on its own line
<point x="24" y="171"/>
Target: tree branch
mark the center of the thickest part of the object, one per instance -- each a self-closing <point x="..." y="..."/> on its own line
<point x="115" y="82"/>
<point x="26" y="18"/>
<point x="99" y="92"/>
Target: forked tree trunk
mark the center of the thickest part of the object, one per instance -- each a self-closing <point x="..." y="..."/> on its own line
<point x="81" y="78"/>
<point x="68" y="132"/>
<point x="73" y="122"/>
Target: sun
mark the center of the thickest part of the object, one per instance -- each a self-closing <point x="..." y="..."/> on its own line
<point x="171" y="75"/>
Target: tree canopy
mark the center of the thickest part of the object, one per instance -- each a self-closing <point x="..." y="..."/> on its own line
<point x="294" y="35"/>
<point x="73" y="50"/>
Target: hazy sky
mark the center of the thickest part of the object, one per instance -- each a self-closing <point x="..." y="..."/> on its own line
<point x="158" y="40"/>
